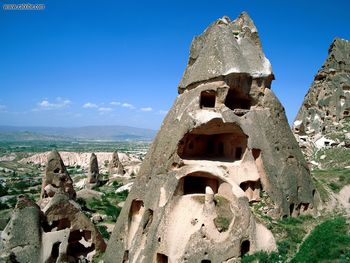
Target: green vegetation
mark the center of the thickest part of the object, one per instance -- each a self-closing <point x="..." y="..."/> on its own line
<point x="222" y="223"/>
<point x="333" y="157"/>
<point x="329" y="241"/>
<point x="103" y="231"/>
<point x="104" y="206"/>
<point x="24" y="147"/>
<point x="334" y="178"/>
<point x="223" y="210"/>
<point x="289" y="233"/>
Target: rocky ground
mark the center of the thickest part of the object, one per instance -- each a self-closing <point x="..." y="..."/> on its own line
<point x="22" y="173"/>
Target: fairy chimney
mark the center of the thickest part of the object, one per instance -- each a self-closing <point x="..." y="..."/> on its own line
<point x="56" y="178"/>
<point x="93" y="178"/>
<point x="115" y="166"/>
<point x="224" y="142"/>
<point x="323" y="119"/>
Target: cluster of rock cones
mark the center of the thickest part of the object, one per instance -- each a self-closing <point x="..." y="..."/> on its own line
<point x="55" y="229"/>
<point x="224" y="144"/>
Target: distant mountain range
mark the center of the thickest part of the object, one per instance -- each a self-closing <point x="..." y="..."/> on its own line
<point x="106" y="133"/>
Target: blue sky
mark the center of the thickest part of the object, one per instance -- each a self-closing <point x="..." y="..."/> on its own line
<point x="112" y="62"/>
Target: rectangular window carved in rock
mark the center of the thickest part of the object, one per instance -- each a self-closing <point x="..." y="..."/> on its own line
<point x="207" y="99"/>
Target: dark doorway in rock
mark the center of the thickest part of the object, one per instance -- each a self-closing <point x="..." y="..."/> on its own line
<point x="291" y="209"/>
<point x="214" y="141"/>
<point x="207" y="99"/>
<point x="55" y="251"/>
<point x="251" y="189"/>
<point x="126" y="256"/>
<point x="238" y="155"/>
<point x="161" y="258"/>
<point x="57" y="225"/>
<point x="75" y="247"/>
<point x="195" y="183"/>
<point x="206" y="261"/>
<point x="245" y="247"/>
<point x="235" y="99"/>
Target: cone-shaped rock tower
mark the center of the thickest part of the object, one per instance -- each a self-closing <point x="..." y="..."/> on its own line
<point x="224" y="144"/>
<point x="324" y="118"/>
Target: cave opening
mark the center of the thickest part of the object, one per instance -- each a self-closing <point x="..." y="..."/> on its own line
<point x="214" y="141"/>
<point x="251" y="189"/>
<point x="245" y="247"/>
<point x="195" y="183"/>
<point x="79" y="243"/>
<point x="236" y="99"/>
<point x="161" y="258"/>
<point x="207" y="99"/>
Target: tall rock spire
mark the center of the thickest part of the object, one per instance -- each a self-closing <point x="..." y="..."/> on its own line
<point x="324" y="117"/>
<point x="225" y="144"/>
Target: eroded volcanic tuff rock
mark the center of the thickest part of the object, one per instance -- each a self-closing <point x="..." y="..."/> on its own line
<point x="20" y="240"/>
<point x="224" y="144"/>
<point x="56" y="178"/>
<point x="57" y="230"/>
<point x="115" y="166"/>
<point x="93" y="178"/>
<point x="324" y="118"/>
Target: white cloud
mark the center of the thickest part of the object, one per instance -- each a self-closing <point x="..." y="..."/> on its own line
<point x="89" y="105"/>
<point x="58" y="104"/>
<point x="127" y="105"/>
<point x="146" y="109"/>
<point x="104" y="109"/>
<point x="163" y="112"/>
<point x="115" y="103"/>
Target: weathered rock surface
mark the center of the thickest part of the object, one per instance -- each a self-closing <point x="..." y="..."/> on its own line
<point x="93" y="174"/>
<point x="58" y="230"/>
<point x="224" y="141"/>
<point x="115" y="166"/>
<point x="20" y="240"/>
<point x="93" y="177"/>
<point x="68" y="234"/>
<point x="56" y="179"/>
<point x="324" y="117"/>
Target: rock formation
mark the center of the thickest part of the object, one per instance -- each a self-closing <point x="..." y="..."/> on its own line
<point x="324" y="117"/>
<point x="115" y="166"/>
<point x="225" y="140"/>
<point x="68" y="235"/>
<point x="20" y="239"/>
<point x="56" y="178"/>
<point x="93" y="178"/>
<point x="57" y="231"/>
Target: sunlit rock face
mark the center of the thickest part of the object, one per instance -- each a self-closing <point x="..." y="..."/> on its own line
<point x="224" y="144"/>
<point x="115" y="166"/>
<point x="56" y="230"/>
<point x="20" y="241"/>
<point x="56" y="178"/>
<point x="324" y="117"/>
<point x="93" y="177"/>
